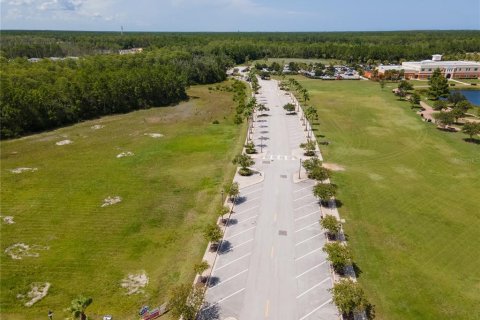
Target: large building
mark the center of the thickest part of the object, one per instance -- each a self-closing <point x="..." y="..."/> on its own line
<point x="450" y="69"/>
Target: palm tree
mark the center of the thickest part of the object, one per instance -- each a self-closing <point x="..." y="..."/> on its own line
<point x="78" y="306"/>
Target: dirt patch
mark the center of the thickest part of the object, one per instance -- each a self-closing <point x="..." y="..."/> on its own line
<point x="134" y="283"/>
<point x="19" y="251"/>
<point x="23" y="169"/>
<point x="125" y="154"/>
<point x="97" y="126"/>
<point x="111" y="201"/>
<point x="63" y="142"/>
<point x="153" y="135"/>
<point x="8" y="220"/>
<point x="37" y="292"/>
<point x="333" y="166"/>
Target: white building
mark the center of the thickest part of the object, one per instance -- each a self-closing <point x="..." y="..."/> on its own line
<point x="450" y="69"/>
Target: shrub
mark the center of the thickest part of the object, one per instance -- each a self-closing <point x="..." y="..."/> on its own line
<point x="215" y="122"/>
<point x="339" y="255"/>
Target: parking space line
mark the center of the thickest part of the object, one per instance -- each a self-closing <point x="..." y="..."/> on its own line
<point x="242" y="212"/>
<point x="246" y="255"/>
<point x="307" y="226"/>
<point x="307" y="291"/>
<point x="237" y="234"/>
<point x="303" y="188"/>
<point x="248" y="219"/>
<point x="238" y="245"/>
<point x="308" y="195"/>
<point x="316" y="309"/>
<point x="248" y="200"/>
<point x="223" y="299"/>
<point x="267" y="307"/>
<point x="303" y="217"/>
<point x="244" y="194"/>
<point x="308" y="254"/>
<point x="314" y="267"/>
<point x="309" y="239"/>
<point x="228" y="279"/>
<point x="308" y="204"/>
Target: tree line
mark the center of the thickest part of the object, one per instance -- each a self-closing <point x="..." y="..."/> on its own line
<point x="48" y="94"/>
<point x="349" y="46"/>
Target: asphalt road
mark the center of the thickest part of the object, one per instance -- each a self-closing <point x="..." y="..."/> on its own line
<point x="271" y="264"/>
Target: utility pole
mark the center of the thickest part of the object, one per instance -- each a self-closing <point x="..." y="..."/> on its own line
<point x="300" y="168"/>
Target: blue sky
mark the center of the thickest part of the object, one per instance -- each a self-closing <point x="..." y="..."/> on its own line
<point x="240" y="15"/>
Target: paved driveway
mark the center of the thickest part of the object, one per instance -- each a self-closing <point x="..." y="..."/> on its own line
<point x="271" y="264"/>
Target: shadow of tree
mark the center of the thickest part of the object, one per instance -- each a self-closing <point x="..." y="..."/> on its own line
<point x="224" y="247"/>
<point x="473" y="140"/>
<point x="209" y="312"/>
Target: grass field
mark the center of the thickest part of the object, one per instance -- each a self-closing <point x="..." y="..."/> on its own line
<point x="410" y="196"/>
<point x="169" y="189"/>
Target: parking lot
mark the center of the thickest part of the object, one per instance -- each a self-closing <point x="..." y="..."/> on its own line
<point x="271" y="264"/>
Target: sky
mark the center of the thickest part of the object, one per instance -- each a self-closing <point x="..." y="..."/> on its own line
<point x="240" y="15"/>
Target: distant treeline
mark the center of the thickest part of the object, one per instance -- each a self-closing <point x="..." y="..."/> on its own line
<point x="48" y="94"/>
<point x="357" y="47"/>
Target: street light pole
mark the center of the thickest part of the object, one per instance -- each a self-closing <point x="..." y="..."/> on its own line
<point x="300" y="168"/>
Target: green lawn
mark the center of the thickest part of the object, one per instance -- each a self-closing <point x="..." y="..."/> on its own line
<point x="169" y="190"/>
<point x="411" y="201"/>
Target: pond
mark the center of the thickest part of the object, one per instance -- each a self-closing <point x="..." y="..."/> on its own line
<point x="472" y="95"/>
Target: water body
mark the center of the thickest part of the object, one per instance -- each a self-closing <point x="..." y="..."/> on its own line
<point x="472" y="95"/>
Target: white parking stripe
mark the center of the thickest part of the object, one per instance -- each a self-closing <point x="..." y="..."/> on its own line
<point x="242" y="212"/>
<point x="308" y="195"/>
<point x="308" y="239"/>
<point x="238" y="245"/>
<point x="248" y="219"/>
<point x="307" y="291"/>
<point x="303" y="188"/>
<point x="308" y="254"/>
<point x="237" y="234"/>
<point x="303" y="273"/>
<point x="303" y="217"/>
<point x="316" y="309"/>
<point x="246" y="255"/>
<point x="223" y="299"/>
<point x="244" y="194"/>
<point x="307" y="226"/>
<point x="308" y="204"/>
<point x="228" y="279"/>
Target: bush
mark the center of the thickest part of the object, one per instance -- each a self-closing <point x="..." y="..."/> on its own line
<point x="339" y="256"/>
<point x="245" y="172"/>
<point x="215" y="122"/>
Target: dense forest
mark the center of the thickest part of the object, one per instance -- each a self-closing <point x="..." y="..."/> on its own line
<point x="99" y="81"/>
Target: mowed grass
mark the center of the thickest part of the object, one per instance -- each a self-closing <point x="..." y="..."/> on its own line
<point x="170" y="189"/>
<point x="411" y="201"/>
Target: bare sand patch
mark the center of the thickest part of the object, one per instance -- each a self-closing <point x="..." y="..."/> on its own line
<point x="19" y="251"/>
<point x="153" y="135"/>
<point x="23" y="169"/>
<point x="8" y="220"/>
<point x="333" y="166"/>
<point x="97" y="126"/>
<point x="134" y="283"/>
<point x="63" y="142"/>
<point x="37" y="292"/>
<point x="125" y="154"/>
<point x="111" y="201"/>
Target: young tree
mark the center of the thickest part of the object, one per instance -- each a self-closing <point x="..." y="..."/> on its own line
<point x="324" y="191"/>
<point x="290" y="108"/>
<point x="464" y="105"/>
<point x="261" y="108"/>
<point x="414" y="99"/>
<point x="185" y="301"/>
<point x="457" y="113"/>
<point x="250" y="148"/>
<point x="471" y="128"/>
<point x="338" y="255"/>
<point x="78" y="307"/>
<point x="439" y="105"/>
<point x="350" y="299"/>
<point x="213" y="233"/>
<point x="331" y="224"/>
<point x="382" y="83"/>
<point x="455" y="97"/>
<point x="200" y="268"/>
<point x="438" y="85"/>
<point x="405" y="85"/>
<point x="244" y="161"/>
<point x="222" y="211"/>
<point x="309" y="148"/>
<point x="311" y="163"/>
<point x="444" y="119"/>
<point x="232" y="190"/>
<point x="319" y="173"/>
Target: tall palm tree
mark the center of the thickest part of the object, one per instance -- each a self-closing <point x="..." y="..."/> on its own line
<point x="78" y="306"/>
